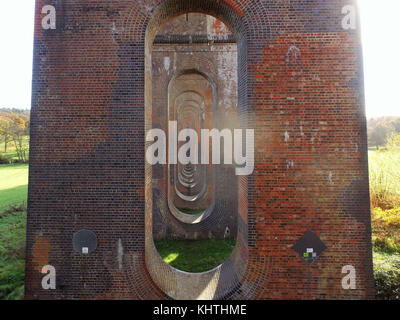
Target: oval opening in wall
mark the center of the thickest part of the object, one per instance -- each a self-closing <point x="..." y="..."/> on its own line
<point x="196" y="218"/>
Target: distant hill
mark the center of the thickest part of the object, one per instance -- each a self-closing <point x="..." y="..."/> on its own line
<point x="25" y="112"/>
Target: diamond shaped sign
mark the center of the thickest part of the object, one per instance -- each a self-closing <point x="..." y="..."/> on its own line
<point x="309" y="247"/>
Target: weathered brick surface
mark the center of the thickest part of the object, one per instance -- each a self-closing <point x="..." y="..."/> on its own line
<point x="217" y="62"/>
<point x="300" y="88"/>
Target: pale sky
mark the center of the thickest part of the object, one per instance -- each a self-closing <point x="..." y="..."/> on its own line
<point x="380" y="25"/>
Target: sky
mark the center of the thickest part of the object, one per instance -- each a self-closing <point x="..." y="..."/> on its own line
<point x="380" y="27"/>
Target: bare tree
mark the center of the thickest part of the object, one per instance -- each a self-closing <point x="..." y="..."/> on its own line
<point x="5" y="129"/>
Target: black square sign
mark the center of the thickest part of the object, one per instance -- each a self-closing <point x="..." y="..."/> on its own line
<point x="309" y="247"/>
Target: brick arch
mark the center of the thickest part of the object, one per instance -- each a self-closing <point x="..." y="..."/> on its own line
<point x="167" y="10"/>
<point x="221" y="214"/>
<point x="226" y="279"/>
<point x="206" y="184"/>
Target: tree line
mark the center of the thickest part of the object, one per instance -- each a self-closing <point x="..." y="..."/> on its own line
<point x="381" y="129"/>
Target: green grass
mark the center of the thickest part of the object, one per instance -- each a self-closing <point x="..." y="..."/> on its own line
<point x="385" y="261"/>
<point x="191" y="211"/>
<point x="12" y="255"/>
<point x="195" y="255"/>
<point x="13" y="185"/>
<point x="13" y="192"/>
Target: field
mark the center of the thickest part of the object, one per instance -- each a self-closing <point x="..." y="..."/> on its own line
<point x="198" y="256"/>
<point x="13" y="194"/>
<point x="13" y="185"/>
<point x="12" y="255"/>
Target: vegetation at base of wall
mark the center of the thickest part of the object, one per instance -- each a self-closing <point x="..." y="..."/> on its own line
<point x="195" y="255"/>
<point x="13" y="195"/>
<point x="384" y="175"/>
<point x="386" y="230"/>
<point x="387" y="275"/>
<point x="384" y="165"/>
<point x="386" y="243"/>
<point x="12" y="255"/>
<point x="384" y="172"/>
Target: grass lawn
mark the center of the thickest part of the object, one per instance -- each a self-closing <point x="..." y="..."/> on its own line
<point x="191" y="211"/>
<point x="13" y="184"/>
<point x="12" y="255"/>
<point x="13" y="191"/>
<point x="195" y="255"/>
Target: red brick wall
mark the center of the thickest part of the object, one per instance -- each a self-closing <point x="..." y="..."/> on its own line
<point x="194" y="24"/>
<point x="87" y="167"/>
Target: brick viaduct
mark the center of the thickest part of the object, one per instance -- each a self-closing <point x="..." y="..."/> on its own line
<point x="302" y="215"/>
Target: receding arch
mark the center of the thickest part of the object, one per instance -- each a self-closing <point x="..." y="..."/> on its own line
<point x="193" y="98"/>
<point x="220" y="282"/>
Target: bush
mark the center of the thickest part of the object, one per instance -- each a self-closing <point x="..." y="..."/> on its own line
<point x="19" y="207"/>
<point x="4" y="160"/>
<point x="386" y="229"/>
<point x="387" y="276"/>
<point x="12" y="277"/>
